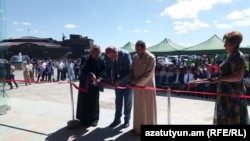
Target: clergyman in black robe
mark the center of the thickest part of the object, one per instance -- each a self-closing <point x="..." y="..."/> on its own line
<point x="92" y="75"/>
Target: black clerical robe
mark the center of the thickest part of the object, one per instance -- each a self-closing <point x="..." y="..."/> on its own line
<point x="88" y="102"/>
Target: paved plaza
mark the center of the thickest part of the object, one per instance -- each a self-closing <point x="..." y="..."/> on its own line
<point x="40" y="112"/>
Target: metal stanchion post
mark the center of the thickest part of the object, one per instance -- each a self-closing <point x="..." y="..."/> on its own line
<point x="73" y="123"/>
<point x="169" y="106"/>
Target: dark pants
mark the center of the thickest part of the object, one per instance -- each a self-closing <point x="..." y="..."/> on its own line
<point x="76" y="71"/>
<point x="12" y="79"/>
<point x="123" y="95"/>
<point x="39" y="76"/>
<point x="49" y="77"/>
<point x="60" y="74"/>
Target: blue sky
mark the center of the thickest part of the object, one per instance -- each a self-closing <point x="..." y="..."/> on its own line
<point x="116" y="22"/>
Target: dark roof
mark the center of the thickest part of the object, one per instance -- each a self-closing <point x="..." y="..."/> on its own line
<point x="47" y="44"/>
<point x="29" y="39"/>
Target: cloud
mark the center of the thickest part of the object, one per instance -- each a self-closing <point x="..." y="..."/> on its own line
<point x="22" y="23"/>
<point x="15" y="23"/>
<point x="35" y="31"/>
<point x="183" y="27"/>
<point x="245" y="13"/>
<point x="137" y="31"/>
<point x="20" y="29"/>
<point x="244" y="22"/>
<point x="70" y="26"/>
<point x="147" y="21"/>
<point x="28" y="30"/>
<point x="190" y="8"/>
<point x="141" y="31"/>
<point x="26" y="24"/>
<point x="238" y="23"/>
<point x="119" y="27"/>
<point x="236" y="19"/>
<point x="223" y="26"/>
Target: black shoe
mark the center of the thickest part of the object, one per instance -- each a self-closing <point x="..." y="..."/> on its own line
<point x="115" y="123"/>
<point x="94" y="124"/>
<point x="126" y="124"/>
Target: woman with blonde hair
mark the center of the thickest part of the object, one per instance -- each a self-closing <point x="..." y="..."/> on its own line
<point x="231" y="109"/>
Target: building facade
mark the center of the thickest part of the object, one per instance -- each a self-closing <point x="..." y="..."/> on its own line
<point x="78" y="45"/>
<point x="39" y="48"/>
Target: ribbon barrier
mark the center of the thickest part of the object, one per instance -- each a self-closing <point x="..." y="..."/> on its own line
<point x="140" y="87"/>
<point x="74" y="123"/>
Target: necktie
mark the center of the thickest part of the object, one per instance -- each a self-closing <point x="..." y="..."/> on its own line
<point x="115" y="70"/>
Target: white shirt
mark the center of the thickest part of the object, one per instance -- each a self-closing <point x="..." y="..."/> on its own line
<point x="189" y="76"/>
<point x="12" y="69"/>
<point x="60" y="65"/>
<point x="30" y="67"/>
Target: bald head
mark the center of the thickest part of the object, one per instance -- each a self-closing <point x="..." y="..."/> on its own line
<point x="111" y="52"/>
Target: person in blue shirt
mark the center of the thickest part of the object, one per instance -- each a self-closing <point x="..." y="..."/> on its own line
<point x="40" y="70"/>
<point x="49" y="71"/>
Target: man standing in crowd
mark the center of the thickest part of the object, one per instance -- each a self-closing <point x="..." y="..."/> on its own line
<point x="30" y="69"/>
<point x="119" y="77"/>
<point x="60" y="70"/>
<point x="143" y="74"/>
<point x="12" y="76"/>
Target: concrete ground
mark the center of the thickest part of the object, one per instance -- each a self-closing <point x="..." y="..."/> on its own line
<point x="41" y="112"/>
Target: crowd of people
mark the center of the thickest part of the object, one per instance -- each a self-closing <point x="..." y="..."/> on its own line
<point x="177" y="79"/>
<point x="41" y="71"/>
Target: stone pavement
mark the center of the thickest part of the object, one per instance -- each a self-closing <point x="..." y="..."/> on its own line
<point x="41" y="111"/>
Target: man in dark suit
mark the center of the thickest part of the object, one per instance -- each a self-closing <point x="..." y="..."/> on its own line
<point x="177" y="80"/>
<point x="118" y="64"/>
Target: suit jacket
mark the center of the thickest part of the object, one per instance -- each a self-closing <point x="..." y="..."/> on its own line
<point x="124" y="62"/>
<point x="200" y="76"/>
<point x="212" y="76"/>
<point x="180" y="78"/>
